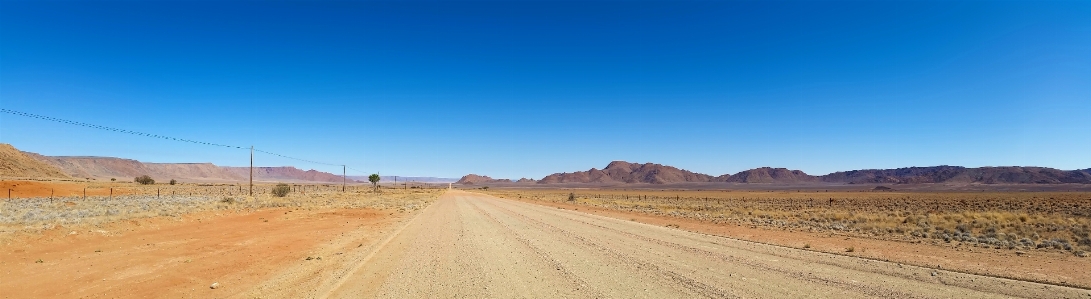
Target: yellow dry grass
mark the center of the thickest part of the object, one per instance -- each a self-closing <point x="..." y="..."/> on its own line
<point x="29" y="215"/>
<point x="1011" y="220"/>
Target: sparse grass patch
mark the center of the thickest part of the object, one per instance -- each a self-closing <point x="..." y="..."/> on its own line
<point x="996" y="220"/>
<point x="31" y="215"/>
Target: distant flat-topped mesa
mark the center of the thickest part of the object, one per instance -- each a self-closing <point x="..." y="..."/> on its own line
<point x="15" y="163"/>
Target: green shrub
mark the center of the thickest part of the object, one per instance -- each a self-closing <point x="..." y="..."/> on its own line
<point x="144" y="180"/>
<point x="281" y="190"/>
<point x="173" y="181"/>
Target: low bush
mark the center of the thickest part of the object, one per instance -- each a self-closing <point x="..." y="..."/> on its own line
<point x="144" y="180"/>
<point x="281" y="190"/>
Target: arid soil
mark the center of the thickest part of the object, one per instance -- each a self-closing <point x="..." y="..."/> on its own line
<point x="140" y="246"/>
<point x="471" y="245"/>
<point x="788" y="219"/>
<point x="23" y="189"/>
<point x="1049" y="267"/>
<point x="181" y="258"/>
<point x="57" y="188"/>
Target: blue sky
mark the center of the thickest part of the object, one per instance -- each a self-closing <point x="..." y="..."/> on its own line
<point x="525" y="89"/>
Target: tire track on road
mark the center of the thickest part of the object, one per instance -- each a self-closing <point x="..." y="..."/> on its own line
<point x="692" y="285"/>
<point x="972" y="282"/>
<point x="879" y="292"/>
<point x="565" y="272"/>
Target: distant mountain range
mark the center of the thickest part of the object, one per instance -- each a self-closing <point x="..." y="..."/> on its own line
<point x="419" y="179"/>
<point x="15" y="163"/>
<point x="621" y="172"/>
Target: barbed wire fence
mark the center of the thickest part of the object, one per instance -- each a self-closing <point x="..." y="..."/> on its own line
<point x="252" y="149"/>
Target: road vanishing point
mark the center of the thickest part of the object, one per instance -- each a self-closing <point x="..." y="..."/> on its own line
<point x="469" y="245"/>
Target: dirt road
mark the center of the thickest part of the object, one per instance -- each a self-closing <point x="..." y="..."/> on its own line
<point x="470" y="245"/>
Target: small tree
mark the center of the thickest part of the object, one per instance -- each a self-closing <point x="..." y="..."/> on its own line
<point x="571" y="196"/>
<point x="374" y="179"/>
<point x="112" y="179"/>
<point x="173" y="181"/>
<point x="144" y="180"/>
<point x="281" y="190"/>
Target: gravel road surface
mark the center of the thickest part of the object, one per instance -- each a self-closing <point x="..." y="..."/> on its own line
<point x="469" y="245"/>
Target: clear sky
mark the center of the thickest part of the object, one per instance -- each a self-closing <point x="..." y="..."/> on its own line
<point x="525" y="89"/>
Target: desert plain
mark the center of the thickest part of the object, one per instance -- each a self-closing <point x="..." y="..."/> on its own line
<point x="322" y="241"/>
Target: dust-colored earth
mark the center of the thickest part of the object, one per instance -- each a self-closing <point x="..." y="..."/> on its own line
<point x="464" y="245"/>
<point x="181" y="258"/>
<point x="1043" y="266"/>
<point x="471" y="245"/>
<point x="22" y="189"/>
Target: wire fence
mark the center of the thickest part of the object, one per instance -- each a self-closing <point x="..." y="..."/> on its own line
<point x="314" y="186"/>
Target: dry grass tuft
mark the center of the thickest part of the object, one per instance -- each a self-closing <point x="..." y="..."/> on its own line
<point x="37" y="214"/>
<point x="1000" y="220"/>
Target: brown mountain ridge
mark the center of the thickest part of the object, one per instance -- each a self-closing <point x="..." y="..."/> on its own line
<point x="16" y="163"/>
<point x="621" y="172"/>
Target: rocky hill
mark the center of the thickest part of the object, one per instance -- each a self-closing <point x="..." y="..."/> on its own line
<point x="471" y="179"/>
<point x="625" y="172"/>
<point x="15" y="163"/>
<point x="769" y="175"/>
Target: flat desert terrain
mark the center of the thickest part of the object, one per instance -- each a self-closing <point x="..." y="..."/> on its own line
<point x="449" y="243"/>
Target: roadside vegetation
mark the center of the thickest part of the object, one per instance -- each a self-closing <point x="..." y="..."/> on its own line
<point x="1002" y="220"/>
<point x="42" y="213"/>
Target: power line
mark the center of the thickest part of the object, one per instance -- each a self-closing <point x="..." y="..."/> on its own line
<point x="361" y="171"/>
<point x="83" y="124"/>
<point x="93" y="126"/>
<point x="293" y="158"/>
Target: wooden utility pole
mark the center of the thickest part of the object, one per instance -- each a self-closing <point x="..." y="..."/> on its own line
<point x="251" y="171"/>
<point x="344" y="178"/>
